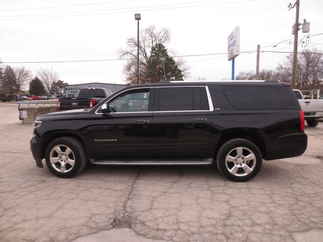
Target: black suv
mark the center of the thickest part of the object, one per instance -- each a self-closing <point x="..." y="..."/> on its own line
<point x="233" y="125"/>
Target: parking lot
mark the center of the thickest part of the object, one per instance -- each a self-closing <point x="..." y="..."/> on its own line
<point x="283" y="203"/>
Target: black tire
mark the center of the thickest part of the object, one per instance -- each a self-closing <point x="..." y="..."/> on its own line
<point x="78" y="155"/>
<point x="235" y="145"/>
<point x="312" y="122"/>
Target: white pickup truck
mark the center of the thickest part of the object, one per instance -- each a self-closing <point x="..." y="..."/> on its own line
<point x="313" y="108"/>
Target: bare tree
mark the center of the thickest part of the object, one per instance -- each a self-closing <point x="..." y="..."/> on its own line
<point x="48" y="77"/>
<point x="268" y="75"/>
<point x="23" y="77"/>
<point x="149" y="38"/>
<point x="1" y="78"/>
<point x="310" y="69"/>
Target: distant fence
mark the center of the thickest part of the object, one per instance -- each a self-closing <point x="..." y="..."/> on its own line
<point x="28" y="110"/>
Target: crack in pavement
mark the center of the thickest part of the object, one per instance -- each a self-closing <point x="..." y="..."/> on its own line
<point x="122" y="219"/>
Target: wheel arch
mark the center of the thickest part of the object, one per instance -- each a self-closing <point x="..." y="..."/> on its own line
<point x="50" y="136"/>
<point x="252" y="134"/>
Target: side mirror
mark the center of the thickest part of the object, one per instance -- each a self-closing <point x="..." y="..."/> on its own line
<point x="105" y="109"/>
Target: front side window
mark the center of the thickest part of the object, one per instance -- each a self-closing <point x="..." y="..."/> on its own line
<point x="133" y="101"/>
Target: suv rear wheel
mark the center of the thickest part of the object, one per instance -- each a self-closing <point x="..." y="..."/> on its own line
<point x="239" y="160"/>
<point x="65" y="157"/>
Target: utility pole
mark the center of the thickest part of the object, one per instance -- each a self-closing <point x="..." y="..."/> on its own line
<point x="163" y="60"/>
<point x="138" y="18"/>
<point x="258" y="60"/>
<point x="233" y="69"/>
<point x="295" y="32"/>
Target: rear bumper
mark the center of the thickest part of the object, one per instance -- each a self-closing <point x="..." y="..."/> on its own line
<point x="287" y="146"/>
<point x="35" y="146"/>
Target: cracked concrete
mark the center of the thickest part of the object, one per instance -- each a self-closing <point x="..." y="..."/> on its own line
<point x="283" y="203"/>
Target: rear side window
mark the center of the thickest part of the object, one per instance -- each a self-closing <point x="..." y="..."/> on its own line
<point x="181" y="99"/>
<point x="260" y="97"/>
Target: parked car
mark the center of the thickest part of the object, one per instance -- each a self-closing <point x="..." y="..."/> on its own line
<point x="87" y="97"/>
<point x="233" y="125"/>
<point x="34" y="97"/>
<point x="313" y="108"/>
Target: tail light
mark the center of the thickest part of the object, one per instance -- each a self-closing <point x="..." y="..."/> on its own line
<point x="301" y="120"/>
<point x="93" y="102"/>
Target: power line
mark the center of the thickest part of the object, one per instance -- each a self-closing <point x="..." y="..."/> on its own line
<point x="100" y="3"/>
<point x="275" y="44"/>
<point x="289" y="52"/>
<point x="125" y="59"/>
<point x="105" y="11"/>
<point x="55" y="7"/>
<point x="62" y="61"/>
<point x="112" y="59"/>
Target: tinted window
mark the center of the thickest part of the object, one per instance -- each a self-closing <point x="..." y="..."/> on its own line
<point x="260" y="97"/>
<point x="92" y="92"/>
<point x="200" y="99"/>
<point x="181" y="98"/>
<point x="133" y="101"/>
<point x="99" y="93"/>
<point x="85" y="93"/>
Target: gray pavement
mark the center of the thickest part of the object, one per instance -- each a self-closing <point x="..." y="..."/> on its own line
<point x="283" y="203"/>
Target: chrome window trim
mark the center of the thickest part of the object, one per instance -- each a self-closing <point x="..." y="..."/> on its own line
<point x="211" y="107"/>
<point x="210" y="102"/>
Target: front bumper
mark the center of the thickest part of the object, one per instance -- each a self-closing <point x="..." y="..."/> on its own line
<point x="35" y="146"/>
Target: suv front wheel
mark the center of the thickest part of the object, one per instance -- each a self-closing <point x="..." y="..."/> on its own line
<point x="65" y="157"/>
<point x="239" y="160"/>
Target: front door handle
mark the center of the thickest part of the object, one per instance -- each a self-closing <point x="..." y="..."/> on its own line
<point x="142" y="121"/>
<point x="200" y="119"/>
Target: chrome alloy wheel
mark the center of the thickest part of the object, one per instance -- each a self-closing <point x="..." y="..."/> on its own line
<point x="62" y="158"/>
<point x="240" y="161"/>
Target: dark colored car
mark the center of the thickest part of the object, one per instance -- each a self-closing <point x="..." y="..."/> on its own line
<point x="86" y="98"/>
<point x="233" y="125"/>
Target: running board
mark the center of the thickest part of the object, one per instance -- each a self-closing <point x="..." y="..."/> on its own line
<point x="155" y="162"/>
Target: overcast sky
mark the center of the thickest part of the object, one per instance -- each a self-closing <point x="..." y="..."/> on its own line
<point x="35" y="30"/>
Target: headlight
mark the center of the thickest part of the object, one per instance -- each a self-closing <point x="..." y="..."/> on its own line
<point x="37" y="123"/>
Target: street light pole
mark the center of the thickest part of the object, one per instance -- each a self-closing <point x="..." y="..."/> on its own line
<point x="138" y="18"/>
<point x="258" y="61"/>
<point x="295" y="53"/>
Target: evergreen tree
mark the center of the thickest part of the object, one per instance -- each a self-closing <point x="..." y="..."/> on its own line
<point x="57" y="87"/>
<point x="9" y="83"/>
<point x="161" y="66"/>
<point x="1" y="79"/>
<point x="36" y="87"/>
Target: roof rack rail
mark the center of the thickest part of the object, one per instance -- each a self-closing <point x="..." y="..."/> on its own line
<point x="223" y="81"/>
